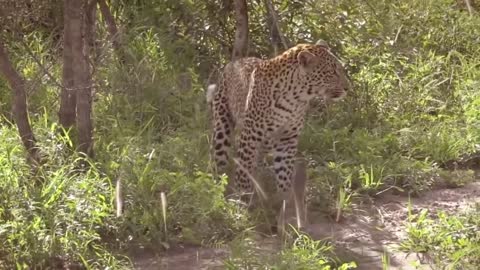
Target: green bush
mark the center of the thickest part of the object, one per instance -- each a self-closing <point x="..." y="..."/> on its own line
<point x="55" y="215"/>
<point x="174" y="165"/>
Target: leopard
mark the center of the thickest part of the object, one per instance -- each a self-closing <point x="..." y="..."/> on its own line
<point x="264" y="103"/>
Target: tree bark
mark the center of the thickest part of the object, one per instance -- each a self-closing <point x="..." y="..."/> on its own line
<point x="19" y="108"/>
<point x="240" y="45"/>
<point x="82" y="78"/>
<point x="112" y="30"/>
<point x="68" y="104"/>
<point x="277" y="39"/>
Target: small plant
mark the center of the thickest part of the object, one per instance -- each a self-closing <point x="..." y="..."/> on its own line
<point x="370" y="180"/>
<point x="344" y="199"/>
<point x="306" y="253"/>
<point x="385" y="261"/>
<point x="451" y="241"/>
<point x="301" y="253"/>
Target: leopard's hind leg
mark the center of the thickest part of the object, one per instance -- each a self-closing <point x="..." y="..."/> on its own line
<point x="222" y="128"/>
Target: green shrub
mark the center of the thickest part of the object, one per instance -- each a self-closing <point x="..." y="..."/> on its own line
<point x="55" y="216"/>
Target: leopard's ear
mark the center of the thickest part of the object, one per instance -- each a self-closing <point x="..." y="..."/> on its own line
<point x="307" y="60"/>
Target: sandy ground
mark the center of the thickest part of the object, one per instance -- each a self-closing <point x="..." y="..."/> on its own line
<point x="371" y="231"/>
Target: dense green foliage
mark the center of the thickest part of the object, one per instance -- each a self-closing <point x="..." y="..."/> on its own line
<point x="415" y="107"/>
<point x="62" y="219"/>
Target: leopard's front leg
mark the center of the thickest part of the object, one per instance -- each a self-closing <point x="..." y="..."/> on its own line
<point x="290" y="176"/>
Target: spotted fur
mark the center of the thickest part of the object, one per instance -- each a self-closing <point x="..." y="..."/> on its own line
<point x="266" y="102"/>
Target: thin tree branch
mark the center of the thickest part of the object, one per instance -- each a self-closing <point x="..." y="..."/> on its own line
<point x="112" y="30"/>
<point x="469" y="7"/>
<point x="20" y="108"/>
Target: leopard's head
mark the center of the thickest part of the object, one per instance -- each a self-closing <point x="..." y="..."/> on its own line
<point x="322" y="72"/>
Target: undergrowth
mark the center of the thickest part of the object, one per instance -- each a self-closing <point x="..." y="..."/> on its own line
<point x="54" y="216"/>
<point x="449" y="241"/>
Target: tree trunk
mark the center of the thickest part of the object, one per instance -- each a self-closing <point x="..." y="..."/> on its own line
<point x="20" y="109"/>
<point x="68" y="102"/>
<point x="113" y="30"/>
<point x="240" y="45"/>
<point x="277" y="39"/>
<point x="82" y="78"/>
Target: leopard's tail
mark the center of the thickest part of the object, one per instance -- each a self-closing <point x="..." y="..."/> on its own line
<point x="211" y="92"/>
